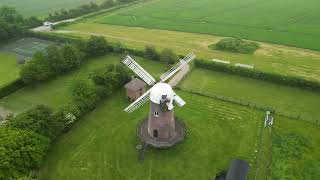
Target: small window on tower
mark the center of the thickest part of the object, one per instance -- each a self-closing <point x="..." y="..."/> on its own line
<point x="156" y="113"/>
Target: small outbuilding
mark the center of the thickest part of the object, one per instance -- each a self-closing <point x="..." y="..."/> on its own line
<point x="135" y="88"/>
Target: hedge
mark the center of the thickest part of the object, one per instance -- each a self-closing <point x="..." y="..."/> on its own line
<point x="293" y="81"/>
<point x="11" y="88"/>
<point x="39" y="126"/>
<point x="61" y="38"/>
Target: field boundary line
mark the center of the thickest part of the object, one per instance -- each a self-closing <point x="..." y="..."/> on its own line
<point x="248" y="104"/>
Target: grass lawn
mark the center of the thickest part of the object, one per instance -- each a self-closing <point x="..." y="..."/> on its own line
<point x="271" y="58"/>
<point x="295" y="150"/>
<point x="285" y="99"/>
<point x="57" y="91"/>
<point x="268" y="21"/>
<point x="102" y="145"/>
<point x="42" y="7"/>
<point x="9" y="68"/>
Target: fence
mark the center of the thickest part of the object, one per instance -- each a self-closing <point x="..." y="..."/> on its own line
<point x="263" y="164"/>
<point x="249" y="104"/>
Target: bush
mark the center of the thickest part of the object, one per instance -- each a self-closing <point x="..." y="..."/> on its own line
<point x="72" y="57"/>
<point x="237" y="46"/>
<point x="118" y="48"/>
<point x="97" y="46"/>
<point x="168" y="56"/>
<point x="20" y="151"/>
<point x="38" y="119"/>
<point x="11" y="87"/>
<point x="151" y="53"/>
<point x="68" y="114"/>
<point x="53" y="61"/>
<point x="36" y="70"/>
<point x="88" y="92"/>
<point x="53" y="56"/>
<point x="84" y="93"/>
<point x="254" y="74"/>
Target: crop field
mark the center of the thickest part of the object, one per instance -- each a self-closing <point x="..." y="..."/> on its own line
<point x="268" y="21"/>
<point x="57" y="91"/>
<point x="271" y="58"/>
<point x="42" y="7"/>
<point x="9" y="68"/>
<point x="102" y="145"/>
<point x="288" y="100"/>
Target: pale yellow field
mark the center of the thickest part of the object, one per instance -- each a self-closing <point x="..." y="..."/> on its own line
<point x="273" y="58"/>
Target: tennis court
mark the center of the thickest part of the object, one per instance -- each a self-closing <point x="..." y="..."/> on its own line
<point x="26" y="47"/>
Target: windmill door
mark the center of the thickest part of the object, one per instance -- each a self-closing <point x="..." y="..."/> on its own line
<point x="155" y="133"/>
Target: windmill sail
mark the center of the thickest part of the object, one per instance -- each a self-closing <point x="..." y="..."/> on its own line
<point x="136" y="68"/>
<point x="191" y="56"/>
<point x="177" y="67"/>
<point x="139" y="102"/>
<point x="179" y="100"/>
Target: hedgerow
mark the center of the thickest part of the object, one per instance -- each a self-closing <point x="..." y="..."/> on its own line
<point x="25" y="139"/>
<point x="260" y="75"/>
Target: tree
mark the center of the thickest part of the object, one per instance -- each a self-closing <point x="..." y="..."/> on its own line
<point x="109" y="78"/>
<point x="72" y="57"/>
<point x="118" y="48"/>
<point x="97" y="46"/>
<point x="32" y="22"/>
<point x="151" y="53"/>
<point x="36" y="69"/>
<point x="84" y="93"/>
<point x="10" y="15"/>
<point x="20" y="151"/>
<point x="168" y="56"/>
<point x="38" y="119"/>
<point x="55" y="59"/>
<point x="108" y="3"/>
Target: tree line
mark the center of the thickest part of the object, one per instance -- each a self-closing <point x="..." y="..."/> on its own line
<point x="167" y="55"/>
<point x="27" y="137"/>
<point x="63" y="14"/>
<point x="12" y="24"/>
<point x="293" y="81"/>
<point x="56" y="60"/>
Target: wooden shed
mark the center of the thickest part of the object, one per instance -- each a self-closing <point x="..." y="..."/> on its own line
<point x="135" y="88"/>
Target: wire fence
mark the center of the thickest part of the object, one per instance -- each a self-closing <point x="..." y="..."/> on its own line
<point x="257" y="106"/>
<point x="264" y="159"/>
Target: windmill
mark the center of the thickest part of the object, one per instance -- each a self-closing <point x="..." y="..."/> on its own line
<point x="161" y="129"/>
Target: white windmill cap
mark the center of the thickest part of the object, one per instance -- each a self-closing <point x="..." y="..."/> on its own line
<point x="160" y="89"/>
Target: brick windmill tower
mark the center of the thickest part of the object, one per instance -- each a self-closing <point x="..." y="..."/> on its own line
<point x="161" y="129"/>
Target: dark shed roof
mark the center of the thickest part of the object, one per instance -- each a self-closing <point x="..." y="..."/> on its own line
<point x="238" y="170"/>
<point x="135" y="84"/>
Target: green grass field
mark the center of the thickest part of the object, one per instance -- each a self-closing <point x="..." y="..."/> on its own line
<point x="102" y="145"/>
<point x="295" y="150"/>
<point x="289" y="100"/>
<point x="56" y="92"/>
<point x="42" y="7"/>
<point x="9" y="68"/>
<point x="293" y="23"/>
